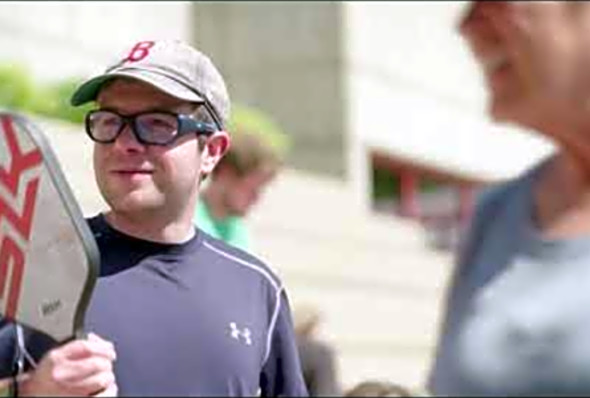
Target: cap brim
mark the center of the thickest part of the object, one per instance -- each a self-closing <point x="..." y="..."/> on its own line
<point x="88" y="91"/>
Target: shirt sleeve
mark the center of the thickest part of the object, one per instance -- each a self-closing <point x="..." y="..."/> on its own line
<point x="7" y="348"/>
<point x="281" y="374"/>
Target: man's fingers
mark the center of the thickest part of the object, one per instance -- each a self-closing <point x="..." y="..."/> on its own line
<point x="78" y="349"/>
<point x="95" y="337"/>
<point x="79" y="368"/>
<point x="100" y="382"/>
<point x="110" y="391"/>
<point x="69" y="372"/>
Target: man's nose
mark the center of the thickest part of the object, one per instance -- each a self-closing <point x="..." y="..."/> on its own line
<point x="127" y="141"/>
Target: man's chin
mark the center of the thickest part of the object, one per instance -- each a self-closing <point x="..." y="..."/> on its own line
<point x="133" y="203"/>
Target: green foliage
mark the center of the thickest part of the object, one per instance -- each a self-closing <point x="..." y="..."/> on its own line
<point x="55" y="102"/>
<point x="18" y="91"/>
<point x="16" y="87"/>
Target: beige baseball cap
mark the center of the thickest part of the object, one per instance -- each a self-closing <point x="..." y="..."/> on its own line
<point x="171" y="66"/>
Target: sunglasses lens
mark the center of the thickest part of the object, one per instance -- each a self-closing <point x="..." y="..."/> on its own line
<point x="157" y="128"/>
<point x="103" y="126"/>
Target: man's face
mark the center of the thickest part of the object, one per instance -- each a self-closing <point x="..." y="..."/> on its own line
<point x="531" y="54"/>
<point x="134" y="177"/>
<point x="243" y="191"/>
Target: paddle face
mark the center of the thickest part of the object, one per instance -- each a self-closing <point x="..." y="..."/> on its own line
<point x="48" y="256"/>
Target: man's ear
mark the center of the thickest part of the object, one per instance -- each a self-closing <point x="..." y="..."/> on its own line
<point x="215" y="147"/>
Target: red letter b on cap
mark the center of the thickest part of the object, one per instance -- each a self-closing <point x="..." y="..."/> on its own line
<point x="139" y="51"/>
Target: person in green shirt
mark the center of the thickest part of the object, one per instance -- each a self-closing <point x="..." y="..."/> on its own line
<point x="236" y="184"/>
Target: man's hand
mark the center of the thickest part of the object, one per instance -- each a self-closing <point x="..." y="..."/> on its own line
<point x="78" y="368"/>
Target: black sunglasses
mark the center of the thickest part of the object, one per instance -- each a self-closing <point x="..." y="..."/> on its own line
<point x="149" y="128"/>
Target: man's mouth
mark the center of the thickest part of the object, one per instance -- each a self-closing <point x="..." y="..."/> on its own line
<point x="132" y="171"/>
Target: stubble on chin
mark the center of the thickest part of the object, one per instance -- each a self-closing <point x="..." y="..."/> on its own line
<point x="126" y="201"/>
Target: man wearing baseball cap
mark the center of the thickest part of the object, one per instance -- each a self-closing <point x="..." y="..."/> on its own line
<point x="187" y="314"/>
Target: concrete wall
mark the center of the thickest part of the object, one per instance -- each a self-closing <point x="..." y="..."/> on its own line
<point x="284" y="57"/>
<point x="413" y="90"/>
<point x="62" y="39"/>
<point x="346" y="77"/>
<point x="341" y="77"/>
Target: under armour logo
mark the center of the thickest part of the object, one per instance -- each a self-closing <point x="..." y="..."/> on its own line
<point x="238" y="334"/>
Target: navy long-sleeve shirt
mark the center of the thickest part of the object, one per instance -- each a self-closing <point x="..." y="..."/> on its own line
<point x="199" y="318"/>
